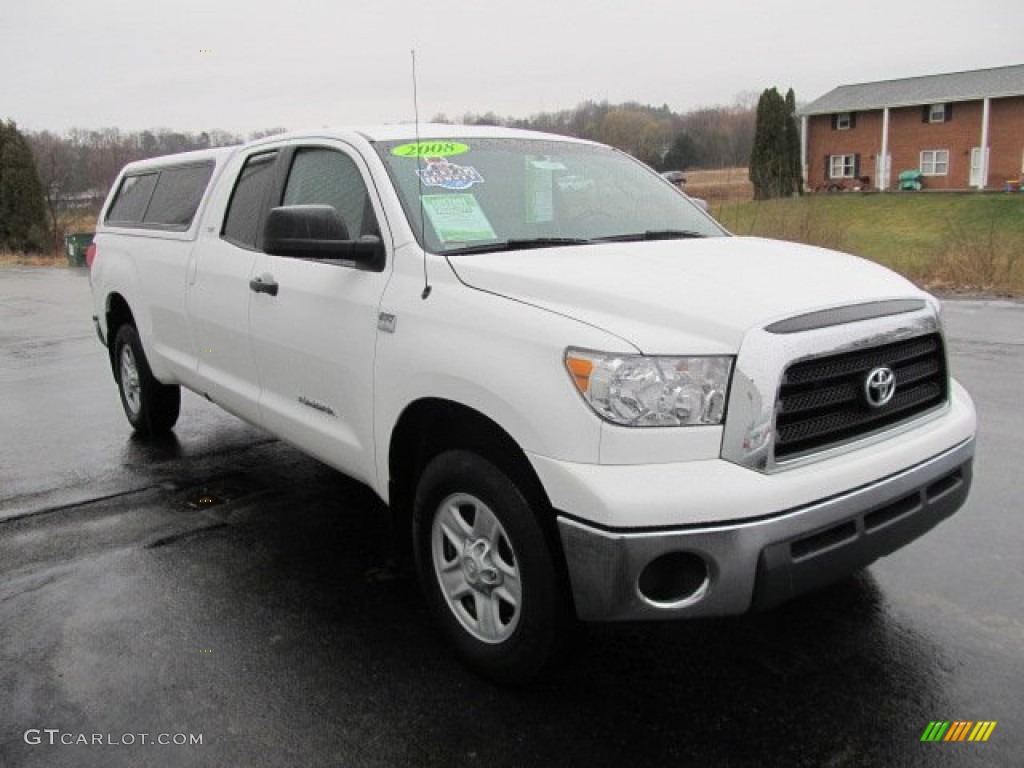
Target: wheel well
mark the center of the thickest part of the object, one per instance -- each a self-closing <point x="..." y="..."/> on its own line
<point x="429" y="427"/>
<point x="118" y="313"/>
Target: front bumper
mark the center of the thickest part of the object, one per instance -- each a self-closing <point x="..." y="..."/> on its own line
<point x="755" y="564"/>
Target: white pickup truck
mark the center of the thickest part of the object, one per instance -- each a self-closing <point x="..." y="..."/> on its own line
<point x="578" y="394"/>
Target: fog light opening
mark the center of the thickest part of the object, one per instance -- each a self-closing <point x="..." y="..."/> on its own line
<point x="674" y="579"/>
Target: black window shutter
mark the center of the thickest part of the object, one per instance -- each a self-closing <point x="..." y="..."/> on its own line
<point x="853" y="120"/>
<point x="949" y="112"/>
<point x="835" y="122"/>
<point x="828" y="166"/>
<point x="925" y="113"/>
<point x="856" y="166"/>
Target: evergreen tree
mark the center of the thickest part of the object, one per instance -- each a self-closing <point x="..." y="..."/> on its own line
<point x="682" y="154"/>
<point x="22" y="207"/>
<point x="796" y="173"/>
<point x="775" y="158"/>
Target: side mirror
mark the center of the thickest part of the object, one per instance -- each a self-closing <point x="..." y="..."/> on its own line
<point x="318" y="232"/>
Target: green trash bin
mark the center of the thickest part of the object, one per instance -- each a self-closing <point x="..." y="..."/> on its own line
<point x="911" y="180"/>
<point x="76" y="245"/>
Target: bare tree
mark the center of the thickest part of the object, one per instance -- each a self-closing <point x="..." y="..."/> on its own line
<point x="55" y="166"/>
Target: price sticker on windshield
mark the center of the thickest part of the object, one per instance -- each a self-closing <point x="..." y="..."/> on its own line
<point x="458" y="218"/>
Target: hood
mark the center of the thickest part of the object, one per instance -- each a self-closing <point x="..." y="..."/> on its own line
<point x="682" y="296"/>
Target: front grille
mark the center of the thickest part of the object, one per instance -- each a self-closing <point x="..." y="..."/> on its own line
<point x="823" y="402"/>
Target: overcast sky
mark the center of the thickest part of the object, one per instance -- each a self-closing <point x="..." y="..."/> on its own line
<point x="202" y="64"/>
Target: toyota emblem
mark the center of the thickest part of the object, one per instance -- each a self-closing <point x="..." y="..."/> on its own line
<point x="880" y="386"/>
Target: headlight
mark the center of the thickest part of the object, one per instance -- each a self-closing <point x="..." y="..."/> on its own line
<point x="652" y="391"/>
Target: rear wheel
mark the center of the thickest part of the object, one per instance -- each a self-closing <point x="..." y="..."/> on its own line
<point x="151" y="407"/>
<point x="486" y="568"/>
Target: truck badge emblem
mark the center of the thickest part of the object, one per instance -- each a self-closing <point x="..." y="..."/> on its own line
<point x="880" y="386"/>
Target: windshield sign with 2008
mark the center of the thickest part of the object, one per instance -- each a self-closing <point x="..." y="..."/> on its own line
<point x="484" y="195"/>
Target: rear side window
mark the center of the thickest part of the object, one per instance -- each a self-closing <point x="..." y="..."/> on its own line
<point x="241" y="224"/>
<point x="165" y="199"/>
<point x="132" y="199"/>
<point x="177" y="196"/>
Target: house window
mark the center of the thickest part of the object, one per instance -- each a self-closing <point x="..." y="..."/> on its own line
<point x="842" y="166"/>
<point x="937" y="113"/>
<point x="935" y="162"/>
<point x="844" y="121"/>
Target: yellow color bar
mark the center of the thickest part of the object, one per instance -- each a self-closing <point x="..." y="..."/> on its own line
<point x="982" y="730"/>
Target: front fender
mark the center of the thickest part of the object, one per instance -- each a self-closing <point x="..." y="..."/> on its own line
<point x="501" y="358"/>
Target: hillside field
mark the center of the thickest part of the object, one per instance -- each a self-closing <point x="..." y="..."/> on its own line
<point x="971" y="242"/>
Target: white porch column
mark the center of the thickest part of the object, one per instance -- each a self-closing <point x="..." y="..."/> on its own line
<point x="803" y="150"/>
<point x="882" y="182"/>
<point x="985" y="107"/>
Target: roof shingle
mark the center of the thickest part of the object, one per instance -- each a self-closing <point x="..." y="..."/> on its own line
<point x="929" y="89"/>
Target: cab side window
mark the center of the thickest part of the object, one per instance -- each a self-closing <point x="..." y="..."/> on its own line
<point x="132" y="199"/>
<point x="177" y="196"/>
<point x="327" y="177"/>
<point x="248" y="200"/>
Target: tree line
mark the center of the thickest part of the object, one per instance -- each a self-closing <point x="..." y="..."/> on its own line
<point x="766" y="138"/>
<point x="77" y="168"/>
<point x="710" y="137"/>
<point x="48" y="180"/>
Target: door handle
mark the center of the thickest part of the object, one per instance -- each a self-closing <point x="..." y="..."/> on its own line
<point x="264" y="284"/>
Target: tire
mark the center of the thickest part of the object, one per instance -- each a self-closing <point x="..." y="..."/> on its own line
<point x="487" y="570"/>
<point x="151" y="407"/>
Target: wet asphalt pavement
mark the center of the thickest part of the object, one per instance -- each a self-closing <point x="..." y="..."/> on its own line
<point x="222" y="585"/>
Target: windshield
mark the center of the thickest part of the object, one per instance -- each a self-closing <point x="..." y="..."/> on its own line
<point x="504" y="194"/>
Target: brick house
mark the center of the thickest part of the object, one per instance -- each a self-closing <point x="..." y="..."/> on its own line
<point x="963" y="130"/>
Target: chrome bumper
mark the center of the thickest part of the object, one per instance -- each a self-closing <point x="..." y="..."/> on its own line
<point x="756" y="564"/>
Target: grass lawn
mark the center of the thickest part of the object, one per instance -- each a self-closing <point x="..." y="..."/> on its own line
<point x="949" y="241"/>
<point x="8" y="259"/>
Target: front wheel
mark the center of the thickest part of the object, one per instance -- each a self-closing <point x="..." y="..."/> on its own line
<point x="151" y="407"/>
<point x="486" y="568"/>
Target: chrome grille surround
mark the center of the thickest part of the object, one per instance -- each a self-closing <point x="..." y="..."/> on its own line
<point x="750" y="435"/>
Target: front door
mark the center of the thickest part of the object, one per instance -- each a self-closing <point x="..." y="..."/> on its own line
<point x="979" y="164"/>
<point x="314" y="339"/>
<point x="883" y="164"/>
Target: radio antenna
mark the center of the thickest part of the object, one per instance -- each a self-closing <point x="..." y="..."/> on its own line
<point x="419" y="178"/>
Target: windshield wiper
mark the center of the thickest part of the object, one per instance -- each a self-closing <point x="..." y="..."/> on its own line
<point x="655" y="234"/>
<point x="518" y="244"/>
